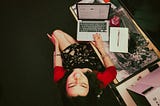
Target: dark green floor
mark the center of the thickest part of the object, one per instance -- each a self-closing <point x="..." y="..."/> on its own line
<point x="26" y="52"/>
<point x="147" y="15"/>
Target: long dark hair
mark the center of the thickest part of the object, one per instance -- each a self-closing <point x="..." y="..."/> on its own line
<point x="90" y="99"/>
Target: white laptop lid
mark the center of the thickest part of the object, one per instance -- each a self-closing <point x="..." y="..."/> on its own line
<point x="90" y="11"/>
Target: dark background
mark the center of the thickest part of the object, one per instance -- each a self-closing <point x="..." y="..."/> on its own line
<point x="26" y="59"/>
<point x="147" y="15"/>
<point x="26" y="53"/>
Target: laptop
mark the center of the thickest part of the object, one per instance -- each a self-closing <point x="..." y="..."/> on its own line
<point x="92" y="18"/>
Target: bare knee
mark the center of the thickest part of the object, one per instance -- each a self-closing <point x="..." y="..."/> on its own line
<point x="58" y="33"/>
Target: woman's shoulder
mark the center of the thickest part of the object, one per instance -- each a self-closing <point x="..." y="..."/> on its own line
<point x="59" y="72"/>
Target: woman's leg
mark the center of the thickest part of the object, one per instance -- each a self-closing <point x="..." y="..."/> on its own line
<point x="63" y="38"/>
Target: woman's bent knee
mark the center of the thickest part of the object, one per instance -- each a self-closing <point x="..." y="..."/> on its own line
<point x="58" y="33"/>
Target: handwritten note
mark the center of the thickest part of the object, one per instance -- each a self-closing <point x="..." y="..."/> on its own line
<point x="118" y="39"/>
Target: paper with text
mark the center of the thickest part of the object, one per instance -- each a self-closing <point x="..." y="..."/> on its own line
<point x="118" y="39"/>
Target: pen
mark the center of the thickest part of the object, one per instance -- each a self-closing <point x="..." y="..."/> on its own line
<point x="118" y="38"/>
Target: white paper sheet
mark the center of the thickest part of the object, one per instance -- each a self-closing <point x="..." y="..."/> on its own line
<point x="118" y="39"/>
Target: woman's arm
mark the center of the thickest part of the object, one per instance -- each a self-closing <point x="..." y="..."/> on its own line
<point x="57" y="63"/>
<point x="107" y="76"/>
<point x="58" y="73"/>
<point x="110" y="73"/>
<point x="100" y="46"/>
<point x="57" y="54"/>
<point x="57" y="57"/>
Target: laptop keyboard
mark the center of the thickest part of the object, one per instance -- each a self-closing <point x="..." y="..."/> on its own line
<point x="93" y="27"/>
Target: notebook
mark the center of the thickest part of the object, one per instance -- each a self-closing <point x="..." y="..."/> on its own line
<point x="92" y="18"/>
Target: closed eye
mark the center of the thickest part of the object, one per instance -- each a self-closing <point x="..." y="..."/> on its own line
<point x="70" y="85"/>
<point x="84" y="85"/>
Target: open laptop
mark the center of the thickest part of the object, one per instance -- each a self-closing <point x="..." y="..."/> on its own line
<point x="92" y="18"/>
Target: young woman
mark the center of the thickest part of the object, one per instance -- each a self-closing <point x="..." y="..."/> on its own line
<point x="75" y="68"/>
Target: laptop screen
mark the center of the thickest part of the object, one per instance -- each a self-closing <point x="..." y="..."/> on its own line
<point x="93" y="11"/>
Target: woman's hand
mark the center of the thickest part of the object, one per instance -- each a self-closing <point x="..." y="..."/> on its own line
<point x="99" y="43"/>
<point x="53" y="39"/>
<point x="100" y="46"/>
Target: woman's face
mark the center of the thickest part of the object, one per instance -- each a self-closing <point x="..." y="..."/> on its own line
<point x="77" y="83"/>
